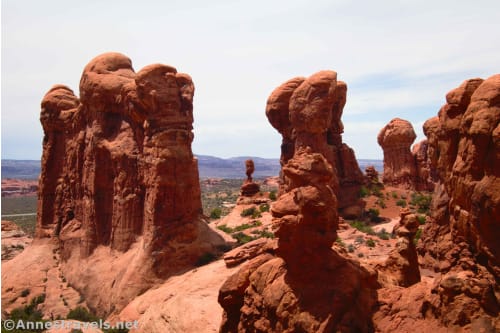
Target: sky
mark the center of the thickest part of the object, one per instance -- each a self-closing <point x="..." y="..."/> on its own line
<point x="398" y="58"/>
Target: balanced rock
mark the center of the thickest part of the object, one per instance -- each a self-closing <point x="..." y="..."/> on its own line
<point x="307" y="112"/>
<point x="249" y="187"/>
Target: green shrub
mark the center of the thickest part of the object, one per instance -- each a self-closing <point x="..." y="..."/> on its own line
<point x="267" y="234"/>
<point x="364" y="192"/>
<point x="382" y="234"/>
<point x="256" y="223"/>
<point x="394" y="195"/>
<point x="370" y="242"/>
<point x="243" y="238"/>
<point x="421" y="219"/>
<point x="361" y="226"/>
<point x="82" y="314"/>
<point x="225" y="228"/>
<point x="351" y="248"/>
<point x="252" y="211"/>
<point x="28" y="313"/>
<point x="242" y="227"/>
<point x="373" y="214"/>
<point x="205" y="258"/>
<point x="381" y="203"/>
<point x="216" y="213"/>
<point x="38" y="299"/>
<point x="418" y="234"/>
<point x="359" y="240"/>
<point x="340" y="242"/>
<point x="401" y="203"/>
<point x="25" y="292"/>
<point x="361" y="255"/>
<point x="272" y="195"/>
<point x="264" y="208"/>
<point x="377" y="191"/>
<point x="421" y="201"/>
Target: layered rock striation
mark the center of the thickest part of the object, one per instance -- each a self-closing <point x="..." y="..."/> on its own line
<point x="307" y="112"/>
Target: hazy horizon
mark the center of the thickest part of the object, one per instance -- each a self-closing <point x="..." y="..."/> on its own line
<point x="399" y="59"/>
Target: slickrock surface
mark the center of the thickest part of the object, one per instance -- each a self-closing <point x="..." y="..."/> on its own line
<point x="307" y="112"/>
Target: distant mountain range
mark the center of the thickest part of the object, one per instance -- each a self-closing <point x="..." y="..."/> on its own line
<point x="209" y="167"/>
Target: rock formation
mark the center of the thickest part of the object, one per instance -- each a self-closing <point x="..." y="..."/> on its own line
<point x="372" y="180"/>
<point x="249" y="187"/>
<point x="403" y="167"/>
<point x="307" y="112"/>
<point x="303" y="285"/>
<point x="117" y="167"/>
<point x="425" y="176"/>
<point x="461" y="240"/>
<point x="399" y="165"/>
<point x="402" y="264"/>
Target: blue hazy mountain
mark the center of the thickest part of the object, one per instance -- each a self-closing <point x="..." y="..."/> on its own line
<point x="208" y="166"/>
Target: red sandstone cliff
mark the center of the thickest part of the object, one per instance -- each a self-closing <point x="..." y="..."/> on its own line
<point x="117" y="169"/>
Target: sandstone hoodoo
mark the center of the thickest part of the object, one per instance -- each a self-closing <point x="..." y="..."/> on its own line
<point x="307" y="112"/>
<point x="249" y="187"/>
<point x="303" y="285"/>
<point x="402" y="264"/>
<point x="396" y="139"/>
<point x="118" y="173"/>
<point x="403" y="167"/>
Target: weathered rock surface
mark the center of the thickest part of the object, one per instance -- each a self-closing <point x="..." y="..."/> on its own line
<point x="461" y="242"/>
<point x="307" y="286"/>
<point x="401" y="268"/>
<point x="118" y="170"/>
<point x="14" y="240"/>
<point x="307" y="112"/>
<point x="425" y="178"/>
<point x="396" y="139"/>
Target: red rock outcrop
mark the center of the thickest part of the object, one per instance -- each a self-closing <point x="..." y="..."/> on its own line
<point x="307" y="112"/>
<point x="425" y="176"/>
<point x="396" y="139"/>
<point x="302" y="285"/>
<point x="405" y="168"/>
<point x="461" y="240"/>
<point x="249" y="187"/>
<point x="117" y="167"/>
<point x="402" y="265"/>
